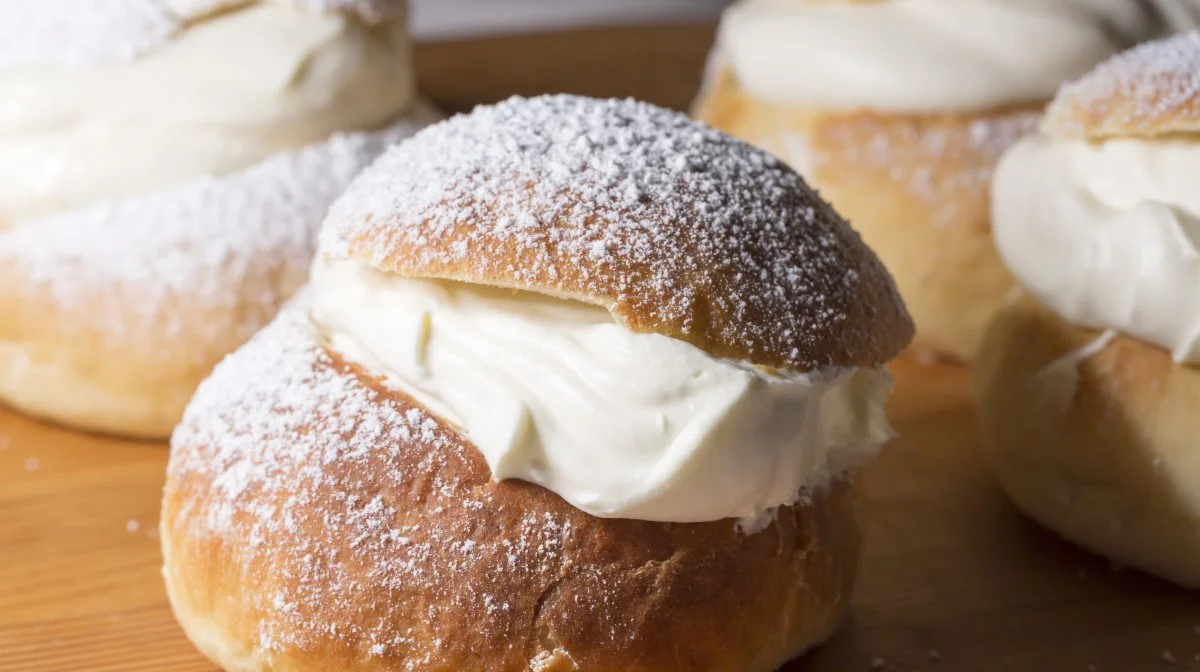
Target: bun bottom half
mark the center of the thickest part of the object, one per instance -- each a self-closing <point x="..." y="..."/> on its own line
<point x="1096" y="437"/>
<point x="916" y="187"/>
<point x="80" y="386"/>
<point x="314" y="519"/>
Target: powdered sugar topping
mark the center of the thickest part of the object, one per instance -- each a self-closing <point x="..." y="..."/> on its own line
<point x="669" y="221"/>
<point x="234" y="245"/>
<point x="305" y="463"/>
<point x="355" y="520"/>
<point x="81" y="33"/>
<point x="1152" y="88"/>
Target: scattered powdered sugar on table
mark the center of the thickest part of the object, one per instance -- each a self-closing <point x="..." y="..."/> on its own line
<point x="81" y="33"/>
<point x="1136" y="91"/>
<point x="234" y="245"/>
<point x="620" y="200"/>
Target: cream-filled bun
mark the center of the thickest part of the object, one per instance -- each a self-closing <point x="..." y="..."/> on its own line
<point x="897" y="111"/>
<point x="1088" y="385"/>
<point x="155" y="209"/>
<point x="111" y="100"/>
<point x="578" y="384"/>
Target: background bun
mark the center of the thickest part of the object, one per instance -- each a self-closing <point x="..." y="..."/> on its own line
<point x="1147" y="91"/>
<point x="675" y="227"/>
<point x="1098" y="446"/>
<point x="914" y="185"/>
<point x="113" y="314"/>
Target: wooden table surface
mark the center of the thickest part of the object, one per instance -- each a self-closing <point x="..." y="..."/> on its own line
<point x="953" y="578"/>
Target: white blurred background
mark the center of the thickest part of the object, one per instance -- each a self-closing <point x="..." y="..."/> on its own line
<point x="438" y="19"/>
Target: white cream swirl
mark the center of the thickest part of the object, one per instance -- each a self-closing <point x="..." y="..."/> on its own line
<point x="1107" y="234"/>
<point x="923" y="55"/>
<point x="619" y="424"/>
<point x="222" y="95"/>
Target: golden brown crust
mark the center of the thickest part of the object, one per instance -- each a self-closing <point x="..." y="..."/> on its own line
<point x="675" y="228"/>
<point x="1151" y="90"/>
<point x="915" y="186"/>
<point x="1100" y="448"/>
<point x="68" y="364"/>
<point x="316" y="520"/>
<point x="113" y="314"/>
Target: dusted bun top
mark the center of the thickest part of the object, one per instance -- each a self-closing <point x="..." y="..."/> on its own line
<point x="674" y="227"/>
<point x="1152" y="90"/>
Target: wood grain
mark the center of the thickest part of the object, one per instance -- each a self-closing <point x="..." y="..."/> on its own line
<point x="953" y="578"/>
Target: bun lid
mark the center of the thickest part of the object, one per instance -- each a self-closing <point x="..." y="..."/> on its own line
<point x="674" y="227"/>
<point x="1151" y="90"/>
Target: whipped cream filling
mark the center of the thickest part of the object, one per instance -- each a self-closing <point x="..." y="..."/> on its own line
<point x="619" y="424"/>
<point x="1107" y="234"/>
<point x="223" y="94"/>
<point x="923" y="55"/>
